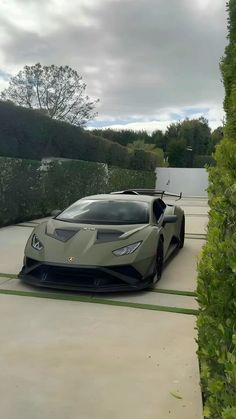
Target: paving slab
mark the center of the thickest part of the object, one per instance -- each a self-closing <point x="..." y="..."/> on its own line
<point x="3" y="280"/>
<point x="192" y="202"/>
<point x="149" y="297"/>
<point x="143" y="297"/>
<point x="194" y="210"/>
<point x="180" y="271"/>
<point x="196" y="225"/>
<point x="12" y="244"/>
<point x="15" y="284"/>
<point x="64" y="360"/>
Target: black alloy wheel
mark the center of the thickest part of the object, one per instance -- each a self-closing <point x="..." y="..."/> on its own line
<point x="159" y="260"/>
<point x="182" y="234"/>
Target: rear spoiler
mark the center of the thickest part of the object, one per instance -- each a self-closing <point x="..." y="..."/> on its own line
<point x="151" y="192"/>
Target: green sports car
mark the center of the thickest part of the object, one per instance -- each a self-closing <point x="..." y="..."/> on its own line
<point x="110" y="242"/>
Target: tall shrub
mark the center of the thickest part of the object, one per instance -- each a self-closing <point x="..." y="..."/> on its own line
<point x="20" y="190"/>
<point x="217" y="268"/>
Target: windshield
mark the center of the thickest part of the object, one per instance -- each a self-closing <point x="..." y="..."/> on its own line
<point x="106" y="212"/>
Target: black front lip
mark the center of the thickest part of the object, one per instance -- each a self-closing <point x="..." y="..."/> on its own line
<point x="82" y="278"/>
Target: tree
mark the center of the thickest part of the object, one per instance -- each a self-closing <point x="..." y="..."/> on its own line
<point x="158" y="138"/>
<point x="141" y="145"/>
<point x="123" y="136"/>
<point x="172" y="134"/>
<point x="59" y="92"/>
<point x="177" y="154"/>
<point x="216" y="137"/>
<point x="151" y="148"/>
<point x="197" y="134"/>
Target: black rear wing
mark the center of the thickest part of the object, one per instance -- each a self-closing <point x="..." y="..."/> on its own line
<point x="151" y="192"/>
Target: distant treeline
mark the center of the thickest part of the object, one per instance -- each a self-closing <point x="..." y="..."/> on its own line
<point x="189" y="143"/>
<point x="29" y="134"/>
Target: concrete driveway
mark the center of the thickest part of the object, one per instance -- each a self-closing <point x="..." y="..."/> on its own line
<point x="77" y="359"/>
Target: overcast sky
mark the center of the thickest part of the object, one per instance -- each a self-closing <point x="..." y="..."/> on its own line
<point x="149" y="61"/>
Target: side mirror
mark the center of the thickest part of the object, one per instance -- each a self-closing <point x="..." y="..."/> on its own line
<point x="55" y="213"/>
<point x="169" y="219"/>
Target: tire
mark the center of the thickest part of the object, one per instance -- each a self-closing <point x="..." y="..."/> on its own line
<point x="159" y="262"/>
<point x="182" y="234"/>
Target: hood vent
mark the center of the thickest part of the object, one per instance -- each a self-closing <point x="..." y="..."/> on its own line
<point x="62" y="234"/>
<point x="108" y="235"/>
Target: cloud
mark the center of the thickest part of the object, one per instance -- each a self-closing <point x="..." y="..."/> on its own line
<point x="142" y="58"/>
<point x="4" y="75"/>
<point x="214" y="115"/>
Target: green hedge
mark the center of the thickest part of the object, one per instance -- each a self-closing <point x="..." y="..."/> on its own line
<point x="217" y="269"/>
<point x="217" y="290"/>
<point x="203" y="161"/>
<point x="30" y="189"/>
<point x="28" y="134"/>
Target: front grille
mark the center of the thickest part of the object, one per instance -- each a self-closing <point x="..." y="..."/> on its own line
<point x="75" y="277"/>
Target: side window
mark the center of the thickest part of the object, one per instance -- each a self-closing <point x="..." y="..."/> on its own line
<point x="158" y="208"/>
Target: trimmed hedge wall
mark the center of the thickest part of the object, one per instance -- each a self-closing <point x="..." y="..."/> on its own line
<point x="31" y="189"/>
<point x="28" y="134"/>
<point x="217" y="269"/>
<point x="217" y="290"/>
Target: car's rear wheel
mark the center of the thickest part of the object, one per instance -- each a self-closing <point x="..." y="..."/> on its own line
<point x="159" y="261"/>
<point x="182" y="234"/>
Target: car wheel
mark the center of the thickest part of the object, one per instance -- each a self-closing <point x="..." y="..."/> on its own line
<point x="182" y="234"/>
<point x="159" y="261"/>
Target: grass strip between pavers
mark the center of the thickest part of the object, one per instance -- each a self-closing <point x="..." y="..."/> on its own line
<point x="196" y="215"/>
<point x="195" y="238"/>
<point x="175" y="292"/>
<point x="8" y="276"/>
<point x="96" y="300"/>
<point x="195" y="234"/>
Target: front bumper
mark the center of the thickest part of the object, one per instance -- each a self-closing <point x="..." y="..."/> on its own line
<point x="83" y="278"/>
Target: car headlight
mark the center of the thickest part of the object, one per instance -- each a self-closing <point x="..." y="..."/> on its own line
<point x="127" y="250"/>
<point x="36" y="243"/>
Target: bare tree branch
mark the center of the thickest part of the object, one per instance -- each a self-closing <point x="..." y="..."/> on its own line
<point x="57" y="90"/>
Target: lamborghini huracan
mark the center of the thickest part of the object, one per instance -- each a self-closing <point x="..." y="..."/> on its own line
<point x="110" y="242"/>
